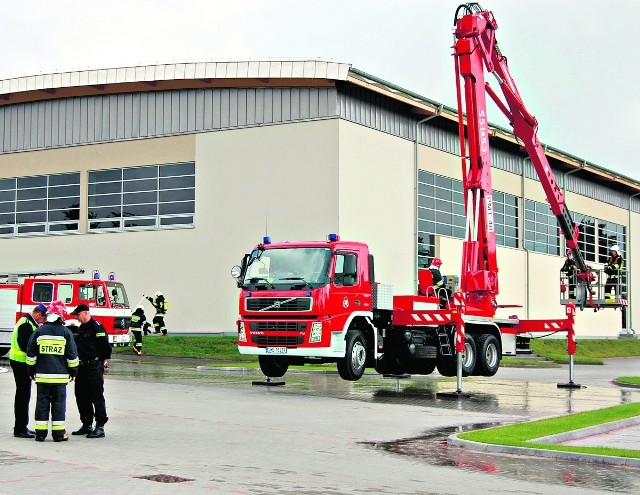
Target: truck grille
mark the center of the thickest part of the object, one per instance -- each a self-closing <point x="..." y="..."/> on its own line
<point x="278" y="304"/>
<point x="277" y="340"/>
<point x="278" y="326"/>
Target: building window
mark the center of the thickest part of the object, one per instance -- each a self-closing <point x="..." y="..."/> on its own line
<point x="587" y="236"/>
<point x="149" y="197"/>
<point x="610" y="233"/>
<point x="541" y="231"/>
<point x="45" y="204"/>
<point x="441" y="212"/>
<point x="506" y="218"/>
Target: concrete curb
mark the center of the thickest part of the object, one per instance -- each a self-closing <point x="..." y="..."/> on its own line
<point x="554" y="439"/>
<point x="588" y="432"/>
<point x="622" y="384"/>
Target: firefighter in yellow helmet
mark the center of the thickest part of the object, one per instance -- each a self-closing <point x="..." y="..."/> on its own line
<point x="161" y="305"/>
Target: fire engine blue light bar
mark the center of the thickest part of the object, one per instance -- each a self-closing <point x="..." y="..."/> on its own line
<point x="266" y="240"/>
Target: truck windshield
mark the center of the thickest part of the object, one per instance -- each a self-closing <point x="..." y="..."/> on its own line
<point x="288" y="268"/>
<point x="117" y="295"/>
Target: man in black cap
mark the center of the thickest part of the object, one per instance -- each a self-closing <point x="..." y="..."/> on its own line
<point x="94" y="352"/>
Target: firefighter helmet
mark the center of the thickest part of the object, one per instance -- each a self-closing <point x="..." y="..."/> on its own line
<point x="158" y="294"/>
<point x="615" y="248"/>
<point x="139" y="306"/>
<point x="56" y="310"/>
<point x="436" y="262"/>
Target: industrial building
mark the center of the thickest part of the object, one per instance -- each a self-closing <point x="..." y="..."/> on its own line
<point x="168" y="174"/>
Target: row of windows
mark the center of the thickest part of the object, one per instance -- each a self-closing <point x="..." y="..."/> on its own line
<point x="153" y="197"/>
<point x="39" y="205"/>
<point x="441" y="212"/>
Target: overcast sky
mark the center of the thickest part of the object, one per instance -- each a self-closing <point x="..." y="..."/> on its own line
<point x="575" y="61"/>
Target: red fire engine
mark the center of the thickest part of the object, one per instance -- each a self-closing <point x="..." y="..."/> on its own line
<point x="319" y="301"/>
<point x="21" y="291"/>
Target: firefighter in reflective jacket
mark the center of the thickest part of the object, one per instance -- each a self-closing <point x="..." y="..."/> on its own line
<point x="138" y="320"/>
<point x="52" y="359"/>
<point x="615" y="263"/>
<point x="18" y="358"/>
<point x="161" y="305"/>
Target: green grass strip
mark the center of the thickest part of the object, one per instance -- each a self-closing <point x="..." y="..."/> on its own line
<point x="521" y="434"/>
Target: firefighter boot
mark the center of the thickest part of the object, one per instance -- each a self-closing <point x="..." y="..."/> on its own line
<point x="98" y="432"/>
<point x="83" y="430"/>
<point x="62" y="438"/>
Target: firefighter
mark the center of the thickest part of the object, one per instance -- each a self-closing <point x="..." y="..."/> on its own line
<point x="94" y="352"/>
<point x="441" y="290"/>
<point x="615" y="263"/>
<point x="18" y="359"/>
<point x="138" y="322"/>
<point x="52" y="358"/>
<point x="569" y="269"/>
<point x="161" y="305"/>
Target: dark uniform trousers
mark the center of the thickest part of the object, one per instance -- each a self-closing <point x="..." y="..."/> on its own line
<point x="51" y="396"/>
<point x="22" y="397"/>
<point x="89" y="392"/>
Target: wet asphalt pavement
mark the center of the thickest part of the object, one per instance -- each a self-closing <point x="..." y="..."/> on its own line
<point x="411" y="424"/>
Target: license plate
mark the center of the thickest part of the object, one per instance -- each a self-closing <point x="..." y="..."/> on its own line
<point x="276" y="350"/>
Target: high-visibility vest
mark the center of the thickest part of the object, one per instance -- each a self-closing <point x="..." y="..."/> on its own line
<point x="15" y="354"/>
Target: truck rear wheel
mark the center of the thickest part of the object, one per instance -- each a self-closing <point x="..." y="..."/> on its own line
<point x="421" y="366"/>
<point x="351" y="366"/>
<point x="273" y="366"/>
<point x="488" y="355"/>
<point x="448" y="365"/>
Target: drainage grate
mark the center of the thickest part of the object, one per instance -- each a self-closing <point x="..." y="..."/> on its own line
<point x="163" y="478"/>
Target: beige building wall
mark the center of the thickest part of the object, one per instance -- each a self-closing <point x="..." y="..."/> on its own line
<point x="377" y="204"/>
<point x="293" y="182"/>
<point x="279" y="180"/>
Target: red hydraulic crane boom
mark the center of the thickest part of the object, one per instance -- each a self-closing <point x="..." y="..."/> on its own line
<point x="475" y="49"/>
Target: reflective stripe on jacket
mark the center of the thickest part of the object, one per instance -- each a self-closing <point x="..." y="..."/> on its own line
<point x="52" y="356"/>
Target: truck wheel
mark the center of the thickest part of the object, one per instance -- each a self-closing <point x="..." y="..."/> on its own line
<point x="273" y="366"/>
<point x="351" y="366"/>
<point x="389" y="365"/>
<point x="421" y="366"/>
<point x="448" y="365"/>
<point x="469" y="356"/>
<point x="488" y="355"/>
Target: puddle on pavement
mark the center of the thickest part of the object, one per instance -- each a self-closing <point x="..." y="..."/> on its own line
<point x="432" y="448"/>
<point x="506" y="397"/>
<point x="509" y="397"/>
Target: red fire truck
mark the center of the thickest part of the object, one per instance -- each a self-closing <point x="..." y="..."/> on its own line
<point x="21" y="291"/>
<point x="319" y="301"/>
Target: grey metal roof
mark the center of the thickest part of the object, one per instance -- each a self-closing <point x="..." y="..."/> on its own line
<point x="251" y="73"/>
